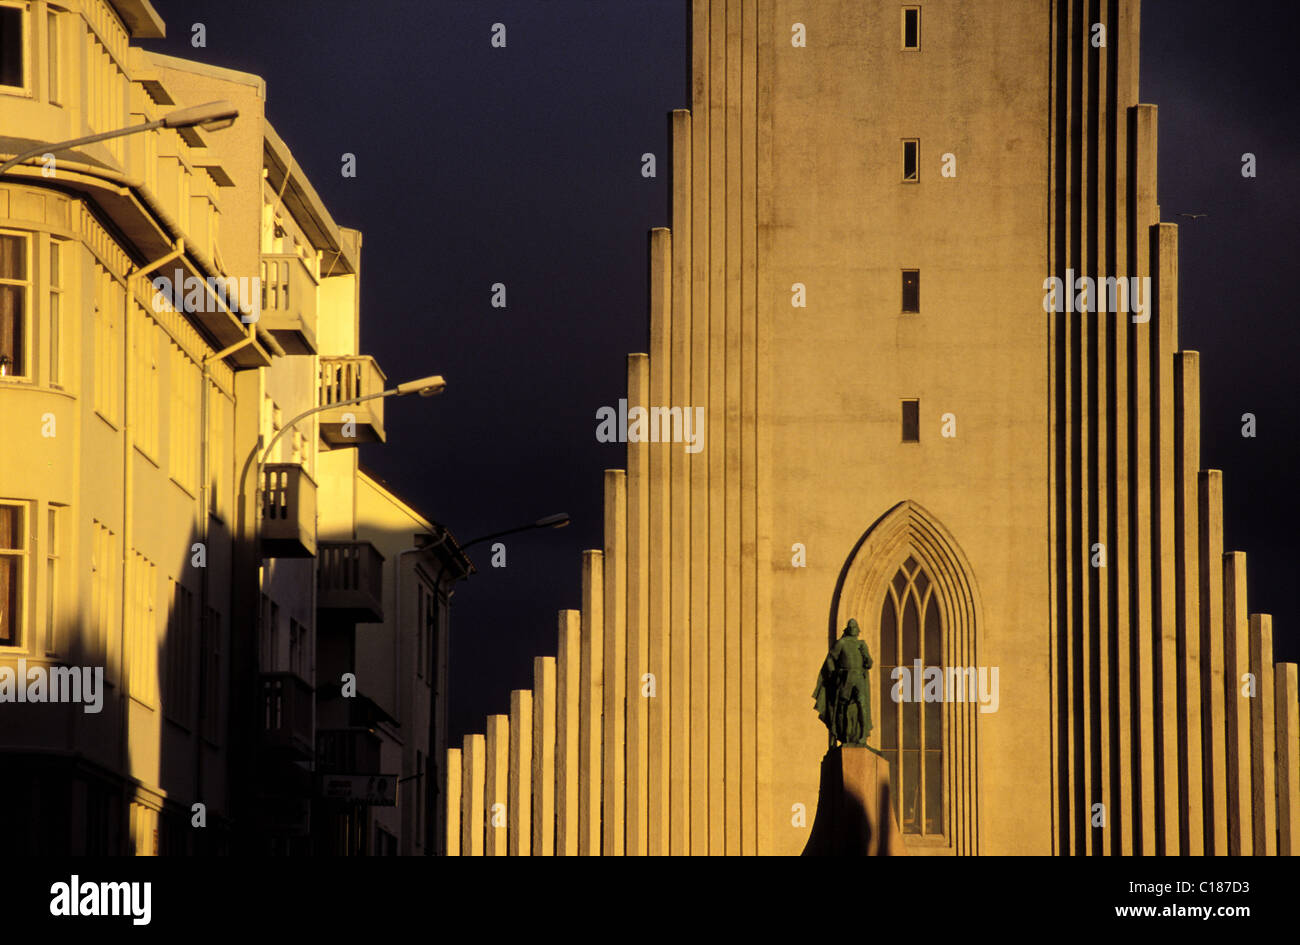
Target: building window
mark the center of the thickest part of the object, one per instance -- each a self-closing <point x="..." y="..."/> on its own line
<point x="210" y="676"/>
<point x="186" y="383"/>
<point x="911" y="160"/>
<point x="14" y="292"/>
<point x="104" y="589"/>
<point x="911" y="731"/>
<point x="218" y="407"/>
<point x="144" y="381"/>
<point x="297" y="649"/>
<point x="911" y="27"/>
<point x="178" y="685"/>
<point x="911" y="291"/>
<point x="911" y="421"/>
<point x="53" y="551"/>
<point x="13" y="571"/>
<point x="419" y="796"/>
<point x="56" y="313"/>
<point x="108" y="316"/>
<point x="141" y="629"/>
<point x="54" y="92"/>
<point x="270" y="634"/>
<point x="431" y="638"/>
<point x="13" y="46"/>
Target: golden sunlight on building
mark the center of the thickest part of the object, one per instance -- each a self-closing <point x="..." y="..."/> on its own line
<point x="869" y="200"/>
<point x="170" y="301"/>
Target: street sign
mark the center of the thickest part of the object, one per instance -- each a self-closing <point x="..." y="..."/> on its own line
<point x="377" y="789"/>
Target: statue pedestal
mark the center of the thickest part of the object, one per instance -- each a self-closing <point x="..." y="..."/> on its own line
<point x="855" y="812"/>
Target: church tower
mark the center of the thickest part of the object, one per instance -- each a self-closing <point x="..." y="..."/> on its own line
<point x="908" y="422"/>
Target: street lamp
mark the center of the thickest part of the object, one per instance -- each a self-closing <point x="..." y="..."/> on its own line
<point x="424" y="386"/>
<point x="432" y="792"/>
<point x="212" y="116"/>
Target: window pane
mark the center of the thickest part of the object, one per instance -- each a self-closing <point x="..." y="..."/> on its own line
<point x="933" y="655"/>
<point x="52" y="37"/>
<point x="911" y="790"/>
<point x="933" y="792"/>
<point x="11" y="46"/>
<point x="933" y="725"/>
<point x="888" y="633"/>
<point x="912" y="715"/>
<point x="911" y="630"/>
<point x="909" y="161"/>
<point x="911" y="421"/>
<point x="889" y="711"/>
<point x="11" y="598"/>
<point x="12" y="319"/>
<point x="912" y="28"/>
<point x="13" y="255"/>
<point x="11" y="527"/>
<point x="911" y="290"/>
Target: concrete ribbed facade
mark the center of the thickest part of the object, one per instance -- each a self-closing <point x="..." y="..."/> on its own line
<point x="683" y="722"/>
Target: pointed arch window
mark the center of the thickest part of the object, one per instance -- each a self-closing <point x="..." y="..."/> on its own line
<point x="911" y="731"/>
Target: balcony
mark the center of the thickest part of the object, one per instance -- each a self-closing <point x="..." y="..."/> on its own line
<point x="350" y="580"/>
<point x="288" y="511"/>
<point x="289" y="302"/>
<point x="345" y="378"/>
<point x="287" y="704"/>
<point x="347" y="751"/>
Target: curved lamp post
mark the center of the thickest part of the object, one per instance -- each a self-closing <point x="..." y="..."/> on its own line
<point x="211" y="116"/>
<point x="432" y="792"/>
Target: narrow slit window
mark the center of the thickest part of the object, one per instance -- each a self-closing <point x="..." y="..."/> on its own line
<point x="911" y="159"/>
<point x="911" y="27"/>
<point x="911" y="421"/>
<point x="912" y="291"/>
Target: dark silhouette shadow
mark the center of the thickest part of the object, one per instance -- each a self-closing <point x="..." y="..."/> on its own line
<point x="844" y="826"/>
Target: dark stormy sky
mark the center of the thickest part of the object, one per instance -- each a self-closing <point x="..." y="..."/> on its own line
<point x="522" y="166"/>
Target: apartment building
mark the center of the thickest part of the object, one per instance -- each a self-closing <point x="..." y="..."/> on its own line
<point x="172" y="303"/>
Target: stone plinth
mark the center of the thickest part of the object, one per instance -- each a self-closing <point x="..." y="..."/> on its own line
<point x="855" y="814"/>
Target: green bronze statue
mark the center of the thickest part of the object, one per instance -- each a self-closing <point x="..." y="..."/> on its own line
<point x="843" y="693"/>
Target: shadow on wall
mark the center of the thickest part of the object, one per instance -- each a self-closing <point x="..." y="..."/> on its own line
<point x="101" y="762"/>
<point x="855" y="814"/>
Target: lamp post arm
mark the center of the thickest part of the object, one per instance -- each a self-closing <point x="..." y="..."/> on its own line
<point x="307" y="413"/>
<point x="508" y="531"/>
<point x="77" y="142"/>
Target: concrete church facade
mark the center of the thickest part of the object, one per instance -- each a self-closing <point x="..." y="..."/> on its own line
<point x="869" y="200"/>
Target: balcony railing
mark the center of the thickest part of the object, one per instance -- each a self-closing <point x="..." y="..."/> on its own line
<point x="350" y="580"/>
<point x="345" y="378"/>
<point x="287" y="704"/>
<point x="289" y="302"/>
<point x="288" y="511"/>
<point x="348" y="751"/>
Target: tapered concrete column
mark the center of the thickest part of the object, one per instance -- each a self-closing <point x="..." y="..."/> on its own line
<point x="473" y="774"/>
<point x="1236" y="661"/>
<point x="451" y="796"/>
<point x="1286" y="720"/>
<point x="1213" y="725"/>
<point x="1263" y="738"/>
<point x="543" y="819"/>
<point x="658" y="649"/>
<point x="685" y="232"/>
<point x="590" y="703"/>
<point x="496" y="791"/>
<point x="636" y="816"/>
<point x="1187" y="438"/>
<point x="520" y="802"/>
<point x="1144" y="570"/>
<point x="567" y="684"/>
<point x="1164" y="322"/>
<point x="615" y="656"/>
